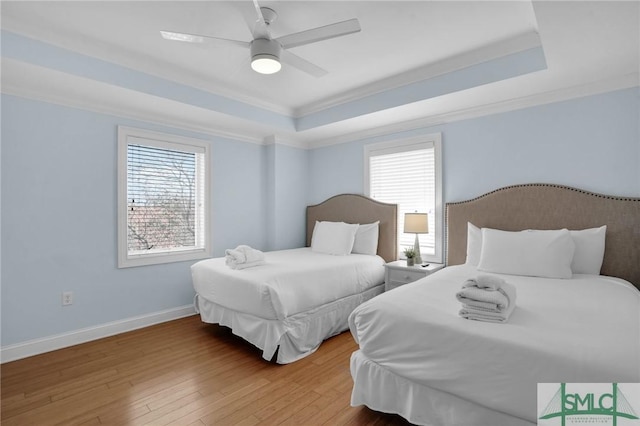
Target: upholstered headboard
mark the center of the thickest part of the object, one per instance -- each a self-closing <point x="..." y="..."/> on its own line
<point x="545" y="206"/>
<point x="353" y="208"/>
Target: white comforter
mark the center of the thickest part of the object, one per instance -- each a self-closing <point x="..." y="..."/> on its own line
<point x="290" y="281"/>
<point x="584" y="329"/>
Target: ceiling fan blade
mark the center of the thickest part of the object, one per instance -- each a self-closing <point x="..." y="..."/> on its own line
<point x="197" y="38"/>
<point x="302" y="64"/>
<point x="321" y="33"/>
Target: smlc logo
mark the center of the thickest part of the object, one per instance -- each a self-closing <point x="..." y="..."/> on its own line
<point x="589" y="404"/>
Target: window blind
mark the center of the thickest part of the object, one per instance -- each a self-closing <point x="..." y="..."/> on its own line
<point x="165" y="199"/>
<point x="407" y="176"/>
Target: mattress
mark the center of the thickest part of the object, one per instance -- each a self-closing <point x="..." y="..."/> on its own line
<point x="583" y="329"/>
<point x="290" y="282"/>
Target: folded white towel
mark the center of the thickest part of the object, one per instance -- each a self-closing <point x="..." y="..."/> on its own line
<point x="480" y="315"/>
<point x="486" y="299"/>
<point x="243" y="257"/>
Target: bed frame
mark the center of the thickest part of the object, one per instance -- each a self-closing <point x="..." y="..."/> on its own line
<point x="547" y="206"/>
<point x="353" y="208"/>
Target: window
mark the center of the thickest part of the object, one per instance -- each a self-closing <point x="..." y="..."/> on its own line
<point x="163" y="198"/>
<point x="408" y="173"/>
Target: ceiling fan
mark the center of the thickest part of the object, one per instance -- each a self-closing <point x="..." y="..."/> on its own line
<point x="267" y="52"/>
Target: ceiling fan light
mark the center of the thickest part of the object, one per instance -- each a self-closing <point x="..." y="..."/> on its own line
<point x="265" y="64"/>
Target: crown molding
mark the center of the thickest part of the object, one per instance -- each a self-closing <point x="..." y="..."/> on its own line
<point x="100" y="108"/>
<point x="274" y="139"/>
<point x="490" y="52"/>
<point x="18" y="78"/>
<point x="593" y="88"/>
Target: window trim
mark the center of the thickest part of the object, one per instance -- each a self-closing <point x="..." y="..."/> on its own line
<point x="403" y="145"/>
<point x="161" y="140"/>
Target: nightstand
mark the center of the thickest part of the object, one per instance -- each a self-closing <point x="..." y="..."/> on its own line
<point x="398" y="273"/>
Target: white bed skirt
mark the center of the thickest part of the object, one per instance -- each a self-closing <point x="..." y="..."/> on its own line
<point x="381" y="390"/>
<point x="294" y="337"/>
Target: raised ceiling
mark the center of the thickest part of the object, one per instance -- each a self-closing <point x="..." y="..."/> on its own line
<point x="414" y="63"/>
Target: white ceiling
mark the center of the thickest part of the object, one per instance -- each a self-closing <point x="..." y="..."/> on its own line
<point x="589" y="47"/>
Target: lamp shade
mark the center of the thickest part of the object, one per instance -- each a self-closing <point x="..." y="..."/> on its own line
<point x="416" y="223"/>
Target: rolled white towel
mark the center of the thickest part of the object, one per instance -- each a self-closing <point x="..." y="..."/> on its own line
<point x="251" y="254"/>
<point x="234" y="256"/>
<point x="243" y="257"/>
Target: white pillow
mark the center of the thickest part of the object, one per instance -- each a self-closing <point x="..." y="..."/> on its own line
<point x="589" y="253"/>
<point x="333" y="238"/>
<point x="474" y="244"/>
<point x="532" y="252"/>
<point x="366" y="240"/>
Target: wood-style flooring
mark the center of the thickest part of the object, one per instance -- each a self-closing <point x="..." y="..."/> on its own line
<point x="182" y="372"/>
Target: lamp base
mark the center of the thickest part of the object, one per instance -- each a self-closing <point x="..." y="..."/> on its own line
<point x="416" y="247"/>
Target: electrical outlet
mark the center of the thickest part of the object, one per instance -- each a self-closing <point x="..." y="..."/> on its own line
<point x="67" y="298"/>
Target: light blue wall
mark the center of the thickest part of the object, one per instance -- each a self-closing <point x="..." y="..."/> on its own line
<point x="336" y="169"/>
<point x="288" y="176"/>
<point x="59" y="221"/>
<point x="238" y="195"/>
<point x="591" y="143"/>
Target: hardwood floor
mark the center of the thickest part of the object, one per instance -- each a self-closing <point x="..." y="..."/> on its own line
<point x="182" y="372"/>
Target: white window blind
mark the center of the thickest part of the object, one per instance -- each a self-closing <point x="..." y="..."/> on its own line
<point x="406" y="173"/>
<point x="164" y="195"/>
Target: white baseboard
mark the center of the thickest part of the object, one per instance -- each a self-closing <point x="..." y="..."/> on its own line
<point x="59" y="341"/>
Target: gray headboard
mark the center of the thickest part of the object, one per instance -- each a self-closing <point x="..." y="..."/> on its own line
<point x="353" y="208"/>
<point x="546" y="206"/>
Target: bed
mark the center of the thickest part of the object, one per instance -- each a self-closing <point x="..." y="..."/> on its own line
<point x="419" y="359"/>
<point x="299" y="297"/>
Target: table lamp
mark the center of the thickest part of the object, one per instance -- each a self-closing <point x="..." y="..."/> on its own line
<point x="416" y="223"/>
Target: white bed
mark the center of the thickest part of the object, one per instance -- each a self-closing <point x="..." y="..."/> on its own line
<point x="299" y="297"/>
<point x="296" y="293"/>
<point x="415" y="333"/>
<point x="419" y="359"/>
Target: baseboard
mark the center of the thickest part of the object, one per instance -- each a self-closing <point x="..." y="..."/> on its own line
<point x="64" y="340"/>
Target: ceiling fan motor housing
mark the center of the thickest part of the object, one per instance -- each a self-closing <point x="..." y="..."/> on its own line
<point x="263" y="47"/>
<point x="265" y="56"/>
